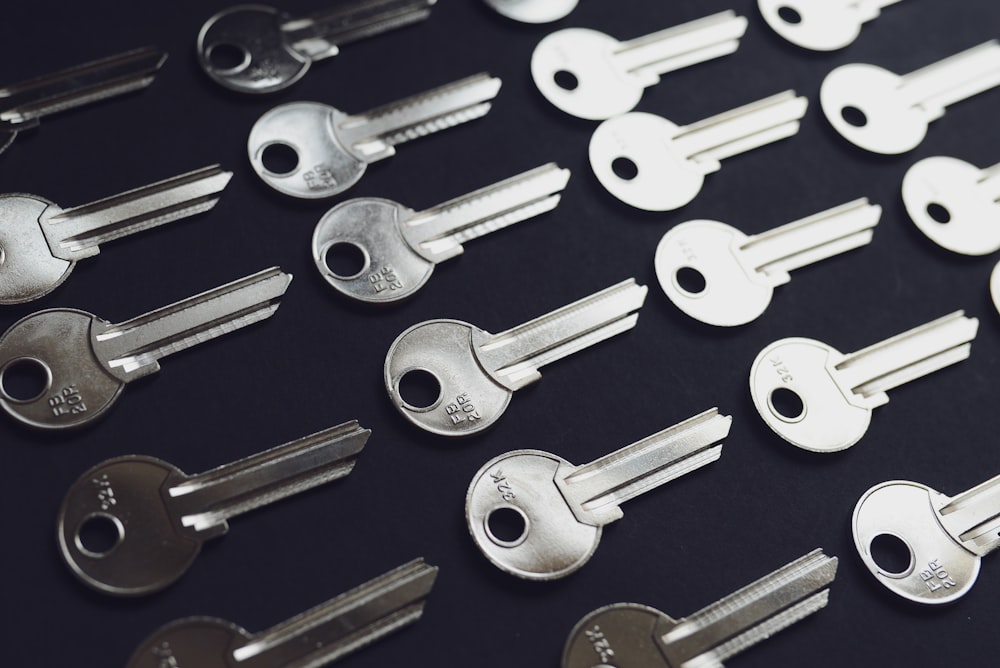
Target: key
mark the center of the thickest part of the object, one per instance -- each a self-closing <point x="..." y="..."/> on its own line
<point x="591" y="75"/>
<point x="332" y="149"/>
<point x="399" y="247"/>
<point x="474" y="373"/>
<point x="260" y="49"/>
<point x="648" y="162"/>
<point x="955" y="204"/>
<point x="40" y="242"/>
<point x="24" y="104"/>
<point x="133" y="525"/>
<point x="995" y="286"/>
<point x="536" y="516"/>
<point x="533" y="11"/>
<point x="629" y="635"/>
<point x="819" y="399"/>
<point x="820" y="25"/>
<point x="883" y="112"/>
<point x="83" y="362"/>
<point x="720" y="276"/>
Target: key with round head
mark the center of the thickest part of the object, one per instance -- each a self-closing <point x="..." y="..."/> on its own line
<point x="883" y="112"/>
<point x="260" y="49"/>
<point x="819" y="399"/>
<point x="721" y="276"/>
<point x="591" y="75"/>
<point x="648" y="162"/>
<point x="40" y="242"/>
<point x="536" y="516"/>
<point x="474" y="373"/>
<point x="533" y="11"/>
<point x="820" y="25"/>
<point x="399" y="247"/>
<point x="332" y="149"/>
<point x="133" y="525"/>
<point x="83" y="363"/>
<point x="630" y="635"/>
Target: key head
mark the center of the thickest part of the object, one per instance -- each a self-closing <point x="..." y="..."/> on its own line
<point x="621" y="635"/>
<point x="27" y="267"/>
<point x="820" y="25"/>
<point x="206" y="642"/>
<point x="533" y="11"/>
<point x="995" y="286"/>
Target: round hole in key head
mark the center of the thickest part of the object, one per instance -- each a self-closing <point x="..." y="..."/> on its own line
<point x="566" y="80"/>
<point x="419" y="389"/>
<point x="690" y="280"/>
<point x="345" y="260"/>
<point x="789" y="15"/>
<point x="279" y="158"/>
<point x="99" y="533"/>
<point x="938" y="213"/>
<point x="624" y="168"/>
<point x="25" y="379"/>
<point x="891" y="554"/>
<point x="507" y="526"/>
<point x="854" y="116"/>
<point x="228" y="57"/>
<point x="786" y="404"/>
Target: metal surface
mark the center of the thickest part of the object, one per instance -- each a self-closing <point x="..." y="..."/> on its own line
<point x="995" y="286"/>
<point x="820" y="25"/>
<point x="533" y="11"/>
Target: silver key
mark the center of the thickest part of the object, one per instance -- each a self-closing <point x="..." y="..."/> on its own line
<point x="533" y="11"/>
<point x="630" y="635"/>
<point x="883" y="112"/>
<point x="819" y="399"/>
<point x="648" y="162"/>
<point x="561" y="509"/>
<point x="41" y="242"/>
<point x="995" y="286"/>
<point x="24" y="104"/>
<point x="159" y="516"/>
<point x="475" y="373"/>
<point x="260" y="49"/>
<point x="84" y="362"/>
<point x="591" y="75"/>
<point x="720" y="276"/>
<point x="820" y="25"/>
<point x="400" y="246"/>
<point x="334" y="149"/>
<point x="957" y="205"/>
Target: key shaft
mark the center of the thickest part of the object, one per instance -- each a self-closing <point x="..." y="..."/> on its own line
<point x="972" y="518"/>
<point x="681" y="46"/>
<point x="320" y="35"/>
<point x="953" y="79"/>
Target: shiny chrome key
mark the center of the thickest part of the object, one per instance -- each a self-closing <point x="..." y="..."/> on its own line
<point x="591" y="75"/>
<point x="720" y="276"/>
<point x="260" y="49"/>
<point x="400" y="246"/>
<point x="650" y="163"/>
<point x="533" y="11"/>
<point x="883" y="112"/>
<point x="820" y="25"/>
<point x="561" y="509"/>
<point x="820" y="399"/>
<point x="40" y="242"/>
<point x="476" y="373"/>
<point x="84" y="361"/>
<point x="333" y="149"/>
<point x="630" y="635"/>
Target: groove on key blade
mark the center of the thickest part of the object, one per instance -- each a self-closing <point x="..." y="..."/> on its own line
<point x="683" y="45"/>
<point x="320" y="34"/>
<point x="973" y="517"/>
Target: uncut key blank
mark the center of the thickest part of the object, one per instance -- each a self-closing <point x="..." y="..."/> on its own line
<point x="83" y="362"/>
<point x="820" y="25"/>
<point x="533" y="11"/>
<point x="630" y="635"/>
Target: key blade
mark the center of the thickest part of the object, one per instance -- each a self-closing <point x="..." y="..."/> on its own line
<point x="318" y="36"/>
<point x="973" y="517"/>
<point x="684" y="45"/>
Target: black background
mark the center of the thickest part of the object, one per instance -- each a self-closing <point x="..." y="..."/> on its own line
<point x="319" y="361"/>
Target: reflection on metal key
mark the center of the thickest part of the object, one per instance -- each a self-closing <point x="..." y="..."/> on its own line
<point x="475" y="373"/>
<point x="259" y="49"/>
<point x="533" y="11"/>
<point x="536" y="516"/>
<point x="83" y="362"/>
<point x="399" y="247"/>
<point x="159" y="517"/>
<point x="820" y="25"/>
<point x="332" y="149"/>
<point x="820" y="399"/>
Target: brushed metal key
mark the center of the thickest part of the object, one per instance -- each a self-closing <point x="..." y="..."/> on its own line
<point x="158" y="516"/>
<point x="85" y="362"/>
<point x="819" y="399"/>
<point x="883" y="112"/>
<point x="533" y="11"/>
<point x="41" y="242"/>
<point x="648" y="162"/>
<point x="820" y="25"/>
<point x="561" y="509"/>
<point x="476" y="373"/>
<point x="630" y="635"/>
<point x="260" y="49"/>
<point x="333" y="149"/>
<point x="720" y="276"/>
<point x="400" y="247"/>
<point x="591" y="75"/>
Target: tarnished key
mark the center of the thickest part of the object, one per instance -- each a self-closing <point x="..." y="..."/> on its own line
<point x="133" y="525"/>
<point x="399" y="247"/>
<point x="630" y="635"/>
<point x="883" y="112"/>
<point x="820" y="25"/>
<point x="475" y="373"/>
<point x="720" y="276"/>
<point x="260" y="49"/>
<point x="83" y="362"/>
<point x="648" y="162"/>
<point x="536" y="516"/>
<point x="957" y="205"/>
<point x="332" y="149"/>
<point x="41" y="242"/>
<point x="592" y="75"/>
<point x="24" y="104"/>
<point x="533" y="11"/>
<point x="820" y="399"/>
